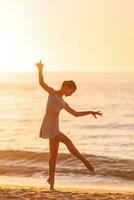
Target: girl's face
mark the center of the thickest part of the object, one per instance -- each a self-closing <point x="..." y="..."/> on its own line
<point x="69" y="91"/>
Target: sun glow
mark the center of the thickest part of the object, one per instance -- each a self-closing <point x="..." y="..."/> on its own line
<point x="67" y="35"/>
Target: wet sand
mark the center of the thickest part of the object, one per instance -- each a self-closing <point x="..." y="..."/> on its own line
<point x="17" y="192"/>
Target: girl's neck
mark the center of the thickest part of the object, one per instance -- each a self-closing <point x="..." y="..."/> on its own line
<point x="60" y="93"/>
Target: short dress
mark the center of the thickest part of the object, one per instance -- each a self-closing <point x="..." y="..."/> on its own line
<point x="50" y="125"/>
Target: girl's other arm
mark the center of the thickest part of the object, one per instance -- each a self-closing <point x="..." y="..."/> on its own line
<point x="81" y="113"/>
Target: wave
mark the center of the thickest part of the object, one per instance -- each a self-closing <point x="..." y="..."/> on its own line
<point x="26" y="163"/>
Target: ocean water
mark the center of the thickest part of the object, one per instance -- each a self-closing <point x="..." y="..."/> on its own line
<point x="108" y="141"/>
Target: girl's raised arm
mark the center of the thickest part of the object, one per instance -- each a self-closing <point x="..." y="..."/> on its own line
<point x="41" y="80"/>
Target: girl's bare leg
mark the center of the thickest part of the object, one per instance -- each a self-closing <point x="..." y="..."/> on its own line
<point x="64" y="139"/>
<point x="53" y="146"/>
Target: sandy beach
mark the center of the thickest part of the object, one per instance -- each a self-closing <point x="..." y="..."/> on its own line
<point x="17" y="192"/>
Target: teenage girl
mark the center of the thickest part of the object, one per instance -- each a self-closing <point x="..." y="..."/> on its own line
<point x="50" y="123"/>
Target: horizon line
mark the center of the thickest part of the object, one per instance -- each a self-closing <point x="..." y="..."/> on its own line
<point x="58" y="71"/>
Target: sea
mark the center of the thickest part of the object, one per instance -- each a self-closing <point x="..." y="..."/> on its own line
<point x="106" y="141"/>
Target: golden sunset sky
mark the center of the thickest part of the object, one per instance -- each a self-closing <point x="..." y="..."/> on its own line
<point x="79" y="35"/>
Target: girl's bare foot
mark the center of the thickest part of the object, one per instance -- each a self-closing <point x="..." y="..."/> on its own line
<point x="91" y="168"/>
<point x="51" y="183"/>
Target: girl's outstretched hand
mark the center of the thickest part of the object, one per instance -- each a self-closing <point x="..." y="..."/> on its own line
<point x="96" y="113"/>
<point x="39" y="65"/>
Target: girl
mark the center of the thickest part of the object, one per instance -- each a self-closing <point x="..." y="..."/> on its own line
<point x="50" y="124"/>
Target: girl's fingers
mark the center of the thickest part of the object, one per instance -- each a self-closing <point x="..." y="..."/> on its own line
<point x="100" y="112"/>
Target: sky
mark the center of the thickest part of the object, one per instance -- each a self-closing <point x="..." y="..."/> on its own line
<point x="78" y="35"/>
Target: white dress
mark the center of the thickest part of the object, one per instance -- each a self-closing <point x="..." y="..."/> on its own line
<point x="50" y="125"/>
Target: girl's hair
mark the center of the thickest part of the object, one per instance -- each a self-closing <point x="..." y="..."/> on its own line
<point x="69" y="84"/>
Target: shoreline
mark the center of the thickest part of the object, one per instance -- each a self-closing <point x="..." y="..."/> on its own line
<point x="66" y="182"/>
<point x="64" y="189"/>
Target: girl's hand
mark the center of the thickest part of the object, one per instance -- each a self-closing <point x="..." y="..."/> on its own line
<point x="39" y="65"/>
<point x="96" y="113"/>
